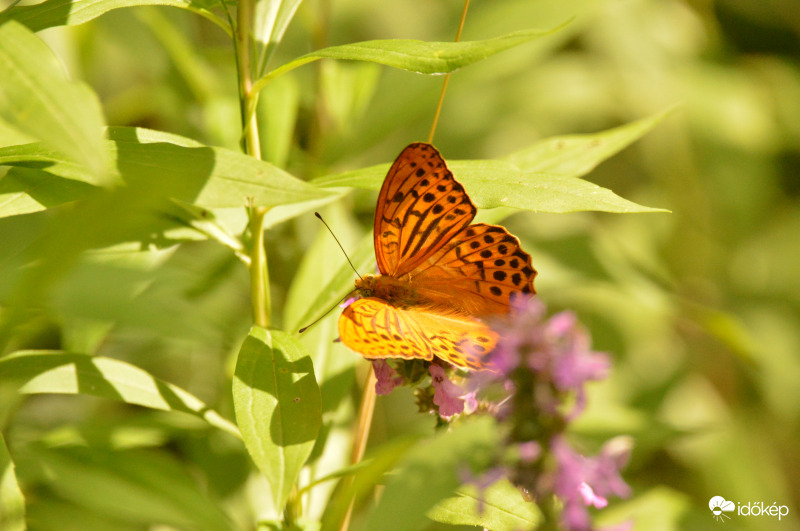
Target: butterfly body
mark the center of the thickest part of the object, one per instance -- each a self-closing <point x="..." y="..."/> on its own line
<point x="440" y="276"/>
<point x="397" y="292"/>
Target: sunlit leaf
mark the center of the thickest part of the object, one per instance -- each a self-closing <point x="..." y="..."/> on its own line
<point x="206" y="176"/>
<point x="37" y="372"/>
<point x="278" y="406"/>
<point x="12" y="503"/>
<point x="577" y="155"/>
<point x="271" y="19"/>
<point x="333" y="362"/>
<point x="70" y="12"/>
<point x="277" y="111"/>
<point x="500" y="507"/>
<point x="38" y="156"/>
<point x="499" y="183"/>
<point x="167" y="165"/>
<point x="415" y="56"/>
<point x="24" y="190"/>
<point x="38" y="99"/>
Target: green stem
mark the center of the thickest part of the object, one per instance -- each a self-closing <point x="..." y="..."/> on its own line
<point x="247" y="96"/>
<point x="259" y="274"/>
<point x="293" y="509"/>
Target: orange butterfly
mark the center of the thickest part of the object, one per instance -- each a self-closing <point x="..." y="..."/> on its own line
<point x="439" y="274"/>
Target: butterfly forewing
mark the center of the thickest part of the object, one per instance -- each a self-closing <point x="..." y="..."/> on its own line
<point x="477" y="271"/>
<point x="377" y="329"/>
<point x="421" y="207"/>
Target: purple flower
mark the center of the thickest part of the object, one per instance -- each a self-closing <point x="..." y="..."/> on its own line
<point x="581" y="481"/>
<point x="556" y="351"/>
<point x="470" y="402"/>
<point x="575" y="363"/>
<point x="590" y="498"/>
<point x="517" y="332"/>
<point x="387" y="378"/>
<point x="448" y="396"/>
<point x="543" y="365"/>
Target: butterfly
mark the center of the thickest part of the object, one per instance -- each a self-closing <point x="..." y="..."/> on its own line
<point x="439" y="275"/>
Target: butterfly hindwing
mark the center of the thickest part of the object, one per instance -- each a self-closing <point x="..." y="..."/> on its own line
<point x="377" y="329"/>
<point x="477" y="271"/>
<point x="420" y="208"/>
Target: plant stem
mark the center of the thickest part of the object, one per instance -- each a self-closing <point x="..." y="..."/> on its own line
<point x="247" y="97"/>
<point x="259" y="275"/>
<point x="365" y="412"/>
<point x="447" y="77"/>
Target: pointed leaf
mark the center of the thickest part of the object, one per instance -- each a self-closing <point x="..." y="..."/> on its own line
<point x="577" y="155"/>
<point x="206" y="176"/>
<point x="12" y="503"/>
<point x="71" y="12"/>
<point x="415" y="56"/>
<point x="278" y="406"/>
<point x="36" y="372"/>
<point x="38" y="99"/>
<point x="500" y="507"/>
<point x="271" y="20"/>
<point x="162" y="164"/>
<point x="499" y="183"/>
<point x="24" y="190"/>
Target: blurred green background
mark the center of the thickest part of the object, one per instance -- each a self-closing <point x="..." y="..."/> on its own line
<point x="699" y="308"/>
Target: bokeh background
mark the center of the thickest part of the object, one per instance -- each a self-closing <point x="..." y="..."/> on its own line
<point x="699" y="308"/>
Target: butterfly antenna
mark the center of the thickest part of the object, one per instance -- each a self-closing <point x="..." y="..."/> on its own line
<point x="318" y="319"/>
<point x="340" y="247"/>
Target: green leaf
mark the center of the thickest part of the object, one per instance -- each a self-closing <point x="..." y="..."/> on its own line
<point x="334" y="364"/>
<point x="412" y="55"/>
<point x="38" y="99"/>
<point x="206" y="176"/>
<point x="577" y="155"/>
<point x="51" y="511"/>
<point x="277" y="110"/>
<point x="37" y="156"/>
<point x="278" y="406"/>
<point x="134" y="485"/>
<point x="541" y="178"/>
<point x="431" y="472"/>
<point x="281" y="213"/>
<point x="71" y="12"/>
<point x="36" y="372"/>
<point x="12" y="503"/>
<point x="24" y="190"/>
<point x="500" y="507"/>
<point x="158" y="164"/>
<point x="499" y="183"/>
<point x="271" y="20"/>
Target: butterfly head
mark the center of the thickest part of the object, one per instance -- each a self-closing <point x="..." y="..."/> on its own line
<point x="366" y="285"/>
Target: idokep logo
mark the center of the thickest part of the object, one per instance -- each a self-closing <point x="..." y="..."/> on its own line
<point x="719" y="506"/>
